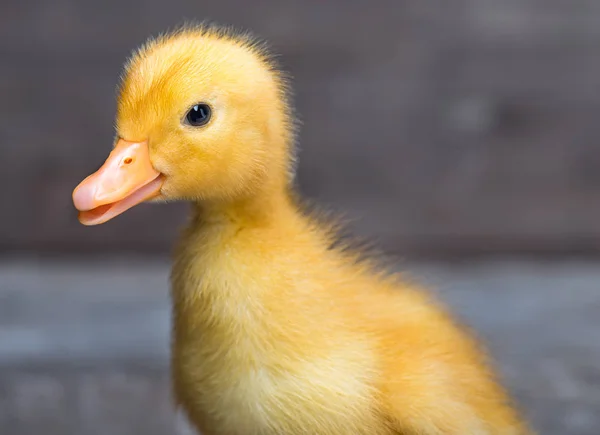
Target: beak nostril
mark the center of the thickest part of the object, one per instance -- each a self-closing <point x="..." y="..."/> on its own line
<point x="127" y="160"/>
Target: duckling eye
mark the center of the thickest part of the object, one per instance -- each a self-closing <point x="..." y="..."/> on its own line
<point x="198" y="115"/>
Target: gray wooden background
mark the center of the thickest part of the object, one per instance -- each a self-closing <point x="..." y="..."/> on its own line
<point x="463" y="126"/>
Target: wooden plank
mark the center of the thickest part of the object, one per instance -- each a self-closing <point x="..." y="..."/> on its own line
<point x="470" y="124"/>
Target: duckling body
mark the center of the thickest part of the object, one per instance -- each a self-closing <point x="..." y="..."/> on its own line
<point x="274" y="330"/>
<point x="272" y="339"/>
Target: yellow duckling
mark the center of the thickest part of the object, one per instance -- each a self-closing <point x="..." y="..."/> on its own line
<point x="275" y="332"/>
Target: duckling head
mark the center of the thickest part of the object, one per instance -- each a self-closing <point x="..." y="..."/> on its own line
<point x="202" y="116"/>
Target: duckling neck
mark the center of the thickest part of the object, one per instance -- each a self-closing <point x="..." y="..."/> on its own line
<point x="257" y="211"/>
<point x="224" y="252"/>
<point x="230" y="246"/>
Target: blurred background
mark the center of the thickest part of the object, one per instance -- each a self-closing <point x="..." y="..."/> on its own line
<point x="461" y="137"/>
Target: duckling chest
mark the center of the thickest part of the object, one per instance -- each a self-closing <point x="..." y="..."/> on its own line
<point x="233" y="375"/>
<point x="228" y="394"/>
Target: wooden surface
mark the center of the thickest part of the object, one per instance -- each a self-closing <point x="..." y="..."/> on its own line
<point x="462" y="126"/>
<point x="84" y="345"/>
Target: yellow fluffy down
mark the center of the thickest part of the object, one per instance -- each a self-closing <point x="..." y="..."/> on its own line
<point x="278" y="329"/>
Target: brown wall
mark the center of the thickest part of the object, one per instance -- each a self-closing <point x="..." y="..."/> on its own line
<point x="442" y="126"/>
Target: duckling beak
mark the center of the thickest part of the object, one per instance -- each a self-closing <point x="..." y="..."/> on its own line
<point x="126" y="179"/>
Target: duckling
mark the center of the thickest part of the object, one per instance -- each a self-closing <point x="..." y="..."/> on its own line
<point x="276" y="328"/>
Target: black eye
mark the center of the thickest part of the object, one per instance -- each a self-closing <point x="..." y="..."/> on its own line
<point x="198" y="115"/>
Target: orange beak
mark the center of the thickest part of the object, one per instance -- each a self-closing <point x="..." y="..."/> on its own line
<point x="126" y="179"/>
